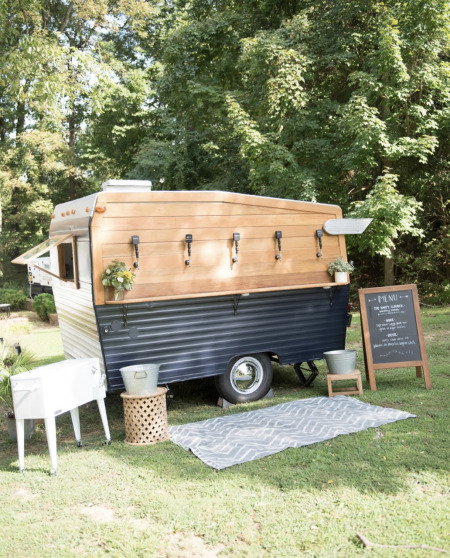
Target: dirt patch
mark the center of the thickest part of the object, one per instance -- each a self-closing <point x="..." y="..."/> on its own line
<point x="378" y="434"/>
<point x="100" y="514"/>
<point x="188" y="545"/>
<point x="14" y="321"/>
<point x="26" y="495"/>
<point x="141" y="524"/>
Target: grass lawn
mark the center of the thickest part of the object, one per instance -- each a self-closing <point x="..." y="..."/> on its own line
<point x="392" y="484"/>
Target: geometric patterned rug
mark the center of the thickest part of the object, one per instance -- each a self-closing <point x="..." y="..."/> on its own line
<point x="230" y="440"/>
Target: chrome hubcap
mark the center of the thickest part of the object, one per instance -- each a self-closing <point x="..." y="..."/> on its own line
<point x="246" y="375"/>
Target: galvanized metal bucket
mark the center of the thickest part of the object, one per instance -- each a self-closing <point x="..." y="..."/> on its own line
<point x="341" y="362"/>
<point x="140" y="379"/>
<point x="29" y="428"/>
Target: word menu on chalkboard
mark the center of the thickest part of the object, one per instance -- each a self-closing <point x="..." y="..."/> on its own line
<point x="392" y="330"/>
<point x="392" y="327"/>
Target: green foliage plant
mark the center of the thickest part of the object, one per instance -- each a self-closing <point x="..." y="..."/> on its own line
<point x="14" y="297"/>
<point x="118" y="276"/>
<point x="44" y="305"/>
<point x="11" y="364"/>
<point x="393" y="215"/>
<point x="339" y="265"/>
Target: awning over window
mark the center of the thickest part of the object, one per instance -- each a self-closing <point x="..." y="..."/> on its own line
<point x="40" y="249"/>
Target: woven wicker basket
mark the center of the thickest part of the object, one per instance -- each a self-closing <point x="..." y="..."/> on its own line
<point x="145" y="418"/>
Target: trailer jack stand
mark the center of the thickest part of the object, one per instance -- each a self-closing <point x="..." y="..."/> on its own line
<point x="222" y="402"/>
<point x="314" y="372"/>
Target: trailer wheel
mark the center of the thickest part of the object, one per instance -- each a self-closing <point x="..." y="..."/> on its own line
<point x="248" y="378"/>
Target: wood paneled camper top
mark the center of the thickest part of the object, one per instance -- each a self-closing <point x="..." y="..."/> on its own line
<point x="163" y="219"/>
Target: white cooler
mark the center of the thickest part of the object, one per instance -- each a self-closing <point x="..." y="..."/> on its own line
<point x="49" y="391"/>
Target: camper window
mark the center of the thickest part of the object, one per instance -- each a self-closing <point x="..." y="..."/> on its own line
<point x="67" y="258"/>
<point x="67" y="262"/>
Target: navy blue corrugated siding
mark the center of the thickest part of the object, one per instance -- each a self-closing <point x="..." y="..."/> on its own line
<point x="195" y="338"/>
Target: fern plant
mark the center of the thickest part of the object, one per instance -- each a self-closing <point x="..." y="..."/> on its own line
<point x="11" y="364"/>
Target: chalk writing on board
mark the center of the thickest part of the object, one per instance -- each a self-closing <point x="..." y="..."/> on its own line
<point x="392" y="326"/>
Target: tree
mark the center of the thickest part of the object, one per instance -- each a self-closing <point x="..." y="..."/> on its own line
<point x="57" y="72"/>
<point x="334" y="102"/>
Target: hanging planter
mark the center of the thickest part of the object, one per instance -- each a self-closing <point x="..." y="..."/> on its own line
<point x="117" y="279"/>
<point x="119" y="294"/>
<point x="340" y="269"/>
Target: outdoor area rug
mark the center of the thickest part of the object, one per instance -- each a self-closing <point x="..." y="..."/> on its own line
<point x="225" y="441"/>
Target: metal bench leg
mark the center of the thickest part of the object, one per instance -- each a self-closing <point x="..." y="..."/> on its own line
<point x="50" y="430"/>
<point x="75" y="415"/>
<point x="20" y="430"/>
<point x="102" y="409"/>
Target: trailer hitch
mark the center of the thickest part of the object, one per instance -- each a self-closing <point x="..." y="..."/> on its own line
<point x="314" y="372"/>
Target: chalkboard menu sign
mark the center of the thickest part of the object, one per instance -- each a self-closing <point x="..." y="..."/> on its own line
<point x="392" y="330"/>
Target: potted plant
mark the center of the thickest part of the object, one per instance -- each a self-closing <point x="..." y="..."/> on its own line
<point x="116" y="275"/>
<point x="11" y="364"/>
<point x="339" y="268"/>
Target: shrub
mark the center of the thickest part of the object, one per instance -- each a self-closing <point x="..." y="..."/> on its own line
<point x="435" y="293"/>
<point x="14" y="297"/>
<point x="44" y="305"/>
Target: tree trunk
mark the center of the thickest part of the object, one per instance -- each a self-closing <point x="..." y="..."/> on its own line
<point x="389" y="275"/>
<point x="2" y="130"/>
<point x="20" y="125"/>
<point x="72" y="138"/>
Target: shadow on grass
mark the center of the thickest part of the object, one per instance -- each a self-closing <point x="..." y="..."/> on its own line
<point x="374" y="460"/>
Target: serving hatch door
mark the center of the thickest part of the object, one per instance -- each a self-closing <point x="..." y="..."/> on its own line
<point x="40" y="249"/>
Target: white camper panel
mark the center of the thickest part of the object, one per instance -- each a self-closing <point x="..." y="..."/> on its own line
<point x="73" y="299"/>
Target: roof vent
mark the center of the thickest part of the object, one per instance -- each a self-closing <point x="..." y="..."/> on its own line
<point x="127" y="186"/>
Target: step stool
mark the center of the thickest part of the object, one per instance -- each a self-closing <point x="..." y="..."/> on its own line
<point x="356" y="375"/>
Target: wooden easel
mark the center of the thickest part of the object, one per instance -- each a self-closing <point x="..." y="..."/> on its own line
<point x="367" y="345"/>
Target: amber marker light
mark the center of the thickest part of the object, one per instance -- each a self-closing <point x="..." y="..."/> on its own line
<point x="87" y="209"/>
<point x="67" y="213"/>
<point x="73" y="211"/>
<point x="62" y="214"/>
<point x="100" y="209"/>
<point x="53" y="215"/>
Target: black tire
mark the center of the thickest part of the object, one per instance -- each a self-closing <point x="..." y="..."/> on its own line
<point x="248" y="378"/>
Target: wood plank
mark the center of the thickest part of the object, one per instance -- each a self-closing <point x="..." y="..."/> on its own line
<point x="171" y="209"/>
<point x="222" y="259"/>
<point x="208" y="234"/>
<point x="160" y="196"/>
<point x="202" y="247"/>
<point x="423" y="350"/>
<point x="213" y="274"/>
<point x="129" y="296"/>
<point x="342" y="246"/>
<point x="406" y="364"/>
<point x="282" y="203"/>
<point x="240" y="284"/>
<point x="232" y="223"/>
<point x="216" y="196"/>
<point x="97" y="260"/>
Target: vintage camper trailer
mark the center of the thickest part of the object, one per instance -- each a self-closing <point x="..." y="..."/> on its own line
<point x="225" y="283"/>
<point x="40" y="281"/>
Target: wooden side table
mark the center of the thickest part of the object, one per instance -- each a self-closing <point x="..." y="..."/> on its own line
<point x="145" y="418"/>
<point x="356" y="375"/>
